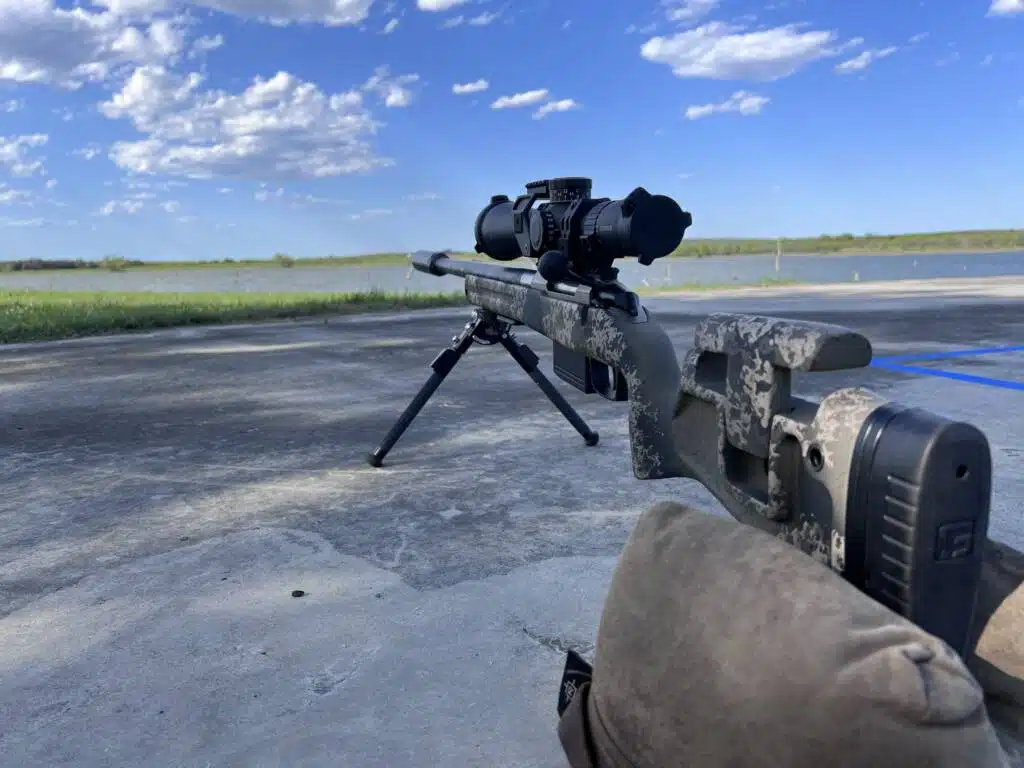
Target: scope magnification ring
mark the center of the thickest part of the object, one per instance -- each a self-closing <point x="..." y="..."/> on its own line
<point x="543" y="228"/>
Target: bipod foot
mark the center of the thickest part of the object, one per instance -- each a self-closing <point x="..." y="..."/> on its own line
<point x="528" y="360"/>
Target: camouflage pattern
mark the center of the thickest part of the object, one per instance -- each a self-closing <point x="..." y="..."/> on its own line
<point x="830" y="428"/>
<point x="737" y="381"/>
<point x="635" y="346"/>
<point x="503" y="299"/>
<point x="759" y="354"/>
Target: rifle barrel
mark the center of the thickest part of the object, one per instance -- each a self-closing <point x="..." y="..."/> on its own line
<point x="439" y="264"/>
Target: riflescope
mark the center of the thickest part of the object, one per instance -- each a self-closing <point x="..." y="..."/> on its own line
<point x="577" y="236"/>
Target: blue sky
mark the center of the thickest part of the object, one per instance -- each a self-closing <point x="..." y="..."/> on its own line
<point x="160" y="129"/>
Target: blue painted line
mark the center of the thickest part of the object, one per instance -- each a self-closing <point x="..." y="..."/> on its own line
<point x="957" y="353"/>
<point x="965" y="377"/>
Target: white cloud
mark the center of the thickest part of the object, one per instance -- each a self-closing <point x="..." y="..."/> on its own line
<point x="918" y="38"/>
<point x="370" y="213"/>
<point x="422" y="197"/>
<point x="171" y="206"/>
<point x="390" y="27"/>
<point x="474" y="87"/>
<point x="203" y="45"/>
<point x="161" y="41"/>
<point x="689" y="10"/>
<point x="331" y="13"/>
<point x="863" y="60"/>
<point x="277" y="128"/>
<point x="481" y="20"/>
<point x="262" y="194"/>
<point x="43" y="43"/>
<point x="87" y="152"/>
<point x="392" y="91"/>
<point x="10" y="196"/>
<point x="51" y="183"/>
<point x="1006" y="7"/>
<point x="484" y="19"/>
<point x="133" y="8"/>
<point x="121" y="206"/>
<point x="722" y="52"/>
<point x="646" y="29"/>
<point x="562" y="105"/>
<point x="741" y="102"/>
<point x="224" y="190"/>
<point x="12" y="105"/>
<point x="524" y="99"/>
<point x="314" y="200"/>
<point x="15" y="151"/>
<point x="7" y="222"/>
<point x="434" y="6"/>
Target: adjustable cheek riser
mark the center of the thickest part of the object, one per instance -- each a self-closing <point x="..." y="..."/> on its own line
<point x="738" y="377"/>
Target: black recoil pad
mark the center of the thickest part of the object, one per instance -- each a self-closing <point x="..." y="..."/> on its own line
<point x="917" y="518"/>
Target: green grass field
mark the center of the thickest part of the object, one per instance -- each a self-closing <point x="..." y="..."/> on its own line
<point x="27" y="315"/>
<point x="48" y="315"/>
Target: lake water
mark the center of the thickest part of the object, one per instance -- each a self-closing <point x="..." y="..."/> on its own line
<point x="663" y="274"/>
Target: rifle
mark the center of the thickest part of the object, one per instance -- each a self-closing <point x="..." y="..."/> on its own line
<point x="893" y="498"/>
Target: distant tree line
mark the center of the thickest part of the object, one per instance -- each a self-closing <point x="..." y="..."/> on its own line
<point x="872" y="243"/>
<point x="113" y="263"/>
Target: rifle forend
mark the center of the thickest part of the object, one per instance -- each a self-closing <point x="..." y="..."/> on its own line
<point x="633" y="347"/>
<point x="895" y="499"/>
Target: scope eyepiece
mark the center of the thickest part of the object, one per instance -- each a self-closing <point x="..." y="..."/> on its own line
<point x="643" y="225"/>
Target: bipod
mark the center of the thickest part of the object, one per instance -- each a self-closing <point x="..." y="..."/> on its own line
<point x="484" y="327"/>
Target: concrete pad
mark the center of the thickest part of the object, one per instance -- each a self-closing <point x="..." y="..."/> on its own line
<point x="165" y="493"/>
<point x="202" y="657"/>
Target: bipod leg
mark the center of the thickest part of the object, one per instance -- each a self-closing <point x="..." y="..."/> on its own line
<point x="528" y="360"/>
<point x="442" y="366"/>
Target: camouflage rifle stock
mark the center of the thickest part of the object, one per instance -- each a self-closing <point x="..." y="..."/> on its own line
<point x="895" y="499"/>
